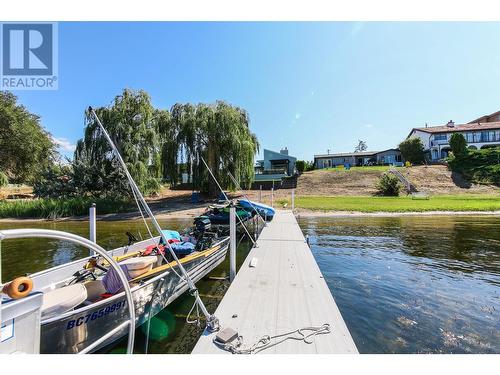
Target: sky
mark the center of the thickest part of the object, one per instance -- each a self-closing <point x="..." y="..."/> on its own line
<point x="311" y="87"/>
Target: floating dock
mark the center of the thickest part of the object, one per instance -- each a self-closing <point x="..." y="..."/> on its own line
<point x="284" y="291"/>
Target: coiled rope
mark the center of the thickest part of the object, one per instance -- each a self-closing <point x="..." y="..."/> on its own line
<point x="266" y="341"/>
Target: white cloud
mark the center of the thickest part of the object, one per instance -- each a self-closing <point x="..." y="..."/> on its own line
<point x="297" y="116"/>
<point x="64" y="144"/>
<point x="368" y="126"/>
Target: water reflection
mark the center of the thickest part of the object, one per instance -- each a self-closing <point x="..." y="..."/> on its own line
<point x="413" y="284"/>
<point x="168" y="331"/>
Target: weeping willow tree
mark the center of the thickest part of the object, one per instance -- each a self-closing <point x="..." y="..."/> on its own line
<point x="219" y="133"/>
<point x="132" y="123"/>
<point x="157" y="144"/>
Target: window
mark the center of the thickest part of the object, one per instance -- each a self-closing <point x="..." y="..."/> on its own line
<point x="485" y="137"/>
<point x="477" y="137"/>
<point x="440" y="137"/>
<point x="469" y="138"/>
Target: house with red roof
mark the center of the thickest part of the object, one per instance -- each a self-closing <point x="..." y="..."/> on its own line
<point x="480" y="133"/>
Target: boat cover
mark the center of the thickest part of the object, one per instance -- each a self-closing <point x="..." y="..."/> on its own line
<point x="183" y="248"/>
<point x="171" y="234"/>
<point x="263" y="209"/>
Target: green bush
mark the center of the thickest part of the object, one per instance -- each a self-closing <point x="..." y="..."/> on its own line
<point x="478" y="166"/>
<point x="458" y="144"/>
<point x="412" y="150"/>
<point x="309" y="166"/>
<point x="4" y="180"/>
<point x="300" y="165"/>
<point x="388" y="185"/>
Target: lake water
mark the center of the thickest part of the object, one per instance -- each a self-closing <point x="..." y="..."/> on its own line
<point x="169" y="332"/>
<point x="413" y="284"/>
<point x="403" y="284"/>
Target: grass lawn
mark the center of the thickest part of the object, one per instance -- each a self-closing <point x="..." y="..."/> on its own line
<point x="400" y="204"/>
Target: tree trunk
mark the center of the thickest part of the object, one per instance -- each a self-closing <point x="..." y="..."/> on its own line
<point x="213" y="190"/>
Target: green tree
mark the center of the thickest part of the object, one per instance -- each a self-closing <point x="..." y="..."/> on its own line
<point x="458" y="144"/>
<point x="26" y="148"/>
<point x="388" y="185"/>
<point x="412" y="150"/>
<point x="4" y="180"/>
<point x="132" y="125"/>
<point x="300" y="165"/>
<point x="158" y="143"/>
<point x="55" y="182"/>
<point x="218" y="133"/>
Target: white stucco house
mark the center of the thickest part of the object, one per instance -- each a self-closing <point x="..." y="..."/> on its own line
<point x="480" y="133"/>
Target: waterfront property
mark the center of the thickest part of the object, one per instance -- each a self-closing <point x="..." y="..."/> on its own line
<point x="276" y="163"/>
<point x="391" y="156"/>
<point x="275" y="169"/>
<point x="482" y="132"/>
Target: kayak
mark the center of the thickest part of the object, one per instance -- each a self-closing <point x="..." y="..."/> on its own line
<point x="267" y="212"/>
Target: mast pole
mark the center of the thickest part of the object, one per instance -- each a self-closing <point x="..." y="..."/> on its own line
<point x="212" y="320"/>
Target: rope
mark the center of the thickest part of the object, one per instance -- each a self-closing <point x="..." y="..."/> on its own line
<point x="266" y="342"/>
<point x="140" y="211"/>
<point x="151" y="235"/>
<point x="197" y="320"/>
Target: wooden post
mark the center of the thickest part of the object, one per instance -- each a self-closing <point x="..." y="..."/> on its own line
<point x="92" y="225"/>
<point x="293" y="199"/>
<point x="260" y="194"/>
<point x="272" y="196"/>
<point x="232" y="243"/>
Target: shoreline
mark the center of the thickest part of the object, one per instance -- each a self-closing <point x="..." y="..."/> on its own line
<point x="304" y="213"/>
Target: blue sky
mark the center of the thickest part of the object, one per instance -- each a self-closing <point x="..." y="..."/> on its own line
<point x="307" y="86"/>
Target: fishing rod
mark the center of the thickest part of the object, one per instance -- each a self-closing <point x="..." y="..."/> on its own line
<point x="212" y="320"/>
<point x="227" y="199"/>
<point x="248" y="199"/>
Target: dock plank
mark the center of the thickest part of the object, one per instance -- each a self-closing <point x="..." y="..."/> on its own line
<point x="285" y="292"/>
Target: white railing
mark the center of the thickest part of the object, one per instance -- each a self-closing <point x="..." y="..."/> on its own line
<point x="59" y="235"/>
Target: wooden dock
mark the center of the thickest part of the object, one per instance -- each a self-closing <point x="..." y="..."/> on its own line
<point x="285" y="291"/>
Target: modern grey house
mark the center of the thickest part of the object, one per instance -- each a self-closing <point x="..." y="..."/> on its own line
<point x="387" y="157"/>
<point x="276" y="163"/>
<point x="275" y="167"/>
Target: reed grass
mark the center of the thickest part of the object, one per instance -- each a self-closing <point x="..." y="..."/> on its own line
<point x="58" y="208"/>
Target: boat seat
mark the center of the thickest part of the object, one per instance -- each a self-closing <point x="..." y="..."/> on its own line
<point x="60" y="300"/>
<point x="139" y="265"/>
<point x="133" y="267"/>
<point x="95" y="289"/>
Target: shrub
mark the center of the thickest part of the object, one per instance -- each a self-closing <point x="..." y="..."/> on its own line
<point x="478" y="166"/>
<point x="4" y="180"/>
<point x="300" y="165"/>
<point x="309" y="166"/>
<point x="412" y="150"/>
<point x="458" y="144"/>
<point x="388" y="185"/>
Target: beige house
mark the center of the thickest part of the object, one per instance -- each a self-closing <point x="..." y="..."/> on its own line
<point x="480" y="133"/>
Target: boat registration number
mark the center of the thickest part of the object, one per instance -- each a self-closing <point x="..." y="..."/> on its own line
<point x="84" y="319"/>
